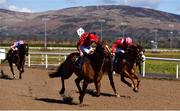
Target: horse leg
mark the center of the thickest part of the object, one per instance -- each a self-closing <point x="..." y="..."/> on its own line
<point x="77" y="81"/>
<point x="11" y="66"/>
<point x="20" y="75"/>
<point x="110" y="75"/>
<point x="63" y="86"/>
<point x="20" y="71"/>
<point x="131" y="78"/>
<point x="123" y="80"/>
<point x="22" y="68"/>
<point x="66" y="76"/>
<point x="97" y="85"/>
<point x="133" y="84"/>
<point x="82" y="93"/>
<point x="138" y="81"/>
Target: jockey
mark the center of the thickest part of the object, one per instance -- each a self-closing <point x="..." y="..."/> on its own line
<point x="16" y="45"/>
<point x="119" y="48"/>
<point x="84" y="44"/>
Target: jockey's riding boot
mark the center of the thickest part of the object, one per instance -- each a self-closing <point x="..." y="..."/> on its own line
<point x="77" y="62"/>
<point x="115" y="63"/>
<point x="80" y="62"/>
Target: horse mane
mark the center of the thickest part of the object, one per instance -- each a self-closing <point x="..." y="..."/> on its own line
<point x="23" y="49"/>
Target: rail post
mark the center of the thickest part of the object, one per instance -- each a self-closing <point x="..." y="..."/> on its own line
<point x="177" y="71"/>
<point x="59" y="60"/>
<point x="65" y="57"/>
<point x="144" y="66"/>
<point x="42" y="59"/>
<point x="46" y="59"/>
<point x="29" y="60"/>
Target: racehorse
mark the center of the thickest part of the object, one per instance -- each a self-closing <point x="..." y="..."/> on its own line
<point x="17" y="57"/>
<point x="128" y="65"/>
<point x="93" y="68"/>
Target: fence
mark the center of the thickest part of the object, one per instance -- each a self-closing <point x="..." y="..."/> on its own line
<point x="45" y="59"/>
<point x="162" y="59"/>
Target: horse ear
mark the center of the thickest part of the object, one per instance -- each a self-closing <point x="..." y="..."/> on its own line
<point x="104" y="42"/>
<point x="99" y="43"/>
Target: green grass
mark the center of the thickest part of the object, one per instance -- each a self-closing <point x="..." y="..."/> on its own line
<point x="162" y="67"/>
<point x="164" y="54"/>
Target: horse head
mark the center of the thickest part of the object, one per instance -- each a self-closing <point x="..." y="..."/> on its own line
<point x="24" y="49"/>
<point x="140" y="56"/>
<point x="135" y="52"/>
<point x="103" y="49"/>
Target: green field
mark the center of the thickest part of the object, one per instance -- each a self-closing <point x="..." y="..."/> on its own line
<point x="162" y="67"/>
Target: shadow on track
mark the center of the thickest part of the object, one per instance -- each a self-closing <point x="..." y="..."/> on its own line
<point x="5" y="76"/>
<point x="66" y="100"/>
<point x="93" y="93"/>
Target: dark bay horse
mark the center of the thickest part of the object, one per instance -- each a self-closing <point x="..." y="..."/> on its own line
<point x="93" y="68"/>
<point x="131" y="60"/>
<point x="17" y="57"/>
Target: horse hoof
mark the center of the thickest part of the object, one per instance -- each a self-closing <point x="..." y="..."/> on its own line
<point x="61" y="92"/>
<point x="132" y="86"/>
<point x="80" y="99"/>
<point x="97" y="95"/>
<point x="135" y="89"/>
<point x="63" y="95"/>
<point x="117" y="95"/>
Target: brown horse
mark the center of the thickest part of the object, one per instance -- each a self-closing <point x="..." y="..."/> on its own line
<point x="129" y="63"/>
<point x="17" y="57"/>
<point x="93" y="68"/>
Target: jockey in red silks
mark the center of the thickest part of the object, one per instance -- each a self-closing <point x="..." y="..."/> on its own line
<point x="84" y="44"/>
<point x="119" y="48"/>
<point x="16" y="44"/>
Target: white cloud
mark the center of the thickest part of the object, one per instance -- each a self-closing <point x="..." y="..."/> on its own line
<point x="14" y="8"/>
<point x="143" y="3"/>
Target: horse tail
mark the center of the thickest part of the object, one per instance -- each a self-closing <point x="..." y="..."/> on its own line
<point x="53" y="75"/>
<point x="58" y="73"/>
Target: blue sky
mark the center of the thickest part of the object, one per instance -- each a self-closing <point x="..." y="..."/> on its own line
<point x="172" y="6"/>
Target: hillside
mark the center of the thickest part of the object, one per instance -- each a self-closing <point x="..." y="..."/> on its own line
<point x="62" y="24"/>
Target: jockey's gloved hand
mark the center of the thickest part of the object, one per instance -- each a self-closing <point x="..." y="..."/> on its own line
<point x="81" y="53"/>
<point x="113" y="54"/>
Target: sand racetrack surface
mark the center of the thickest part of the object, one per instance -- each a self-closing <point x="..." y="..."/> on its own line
<point x="37" y="91"/>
